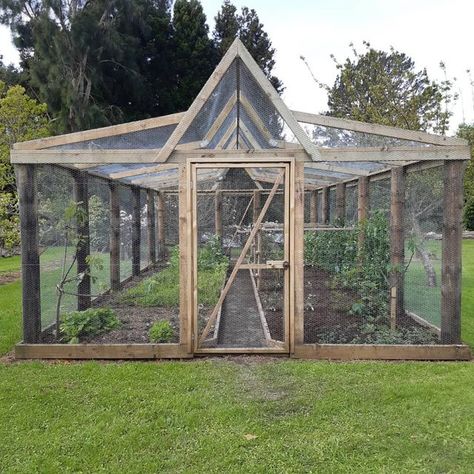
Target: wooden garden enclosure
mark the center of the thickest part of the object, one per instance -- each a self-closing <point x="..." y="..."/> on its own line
<point x="335" y="238"/>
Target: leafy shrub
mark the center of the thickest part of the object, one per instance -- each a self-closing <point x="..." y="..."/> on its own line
<point x="78" y="324"/>
<point x="468" y="217"/>
<point x="211" y="254"/>
<point x="161" y="331"/>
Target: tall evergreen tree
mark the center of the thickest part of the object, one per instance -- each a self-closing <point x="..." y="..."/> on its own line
<point x="195" y="54"/>
<point x="247" y="26"/>
<point x="94" y="63"/>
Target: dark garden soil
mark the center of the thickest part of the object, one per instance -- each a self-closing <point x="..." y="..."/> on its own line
<point x="327" y="318"/>
<point x="136" y="320"/>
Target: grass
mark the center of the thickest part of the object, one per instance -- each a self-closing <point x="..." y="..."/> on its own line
<point x="242" y="416"/>
<point x="10" y="315"/>
<point x="10" y="264"/>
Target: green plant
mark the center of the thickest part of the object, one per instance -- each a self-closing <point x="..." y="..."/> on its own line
<point x="78" y="324"/>
<point x="468" y="216"/>
<point x="210" y="254"/>
<point x="161" y="331"/>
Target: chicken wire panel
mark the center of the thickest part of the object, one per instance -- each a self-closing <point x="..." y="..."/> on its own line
<point x="351" y="205"/>
<point x="328" y="137"/>
<point x="211" y="109"/>
<point x="99" y="235"/>
<point x="252" y="313"/>
<point x="57" y="241"/>
<point x="263" y="107"/>
<point x="379" y="196"/>
<point x="144" y="255"/>
<point x="423" y="243"/>
<point x="346" y="283"/>
<point x="150" y="138"/>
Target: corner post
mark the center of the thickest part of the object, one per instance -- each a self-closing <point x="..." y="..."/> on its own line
<point x="136" y="231"/>
<point x="30" y="262"/>
<point x="151" y="228"/>
<point x="397" y="244"/>
<point x="114" y="236"/>
<point x="81" y="197"/>
<point x="451" y="253"/>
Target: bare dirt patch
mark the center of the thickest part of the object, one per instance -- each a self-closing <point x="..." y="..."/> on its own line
<point x="9" y="277"/>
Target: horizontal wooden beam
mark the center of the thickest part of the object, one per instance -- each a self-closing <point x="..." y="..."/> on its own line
<point x="97" y="133"/>
<point x="397" y="153"/>
<point x="382" y="352"/>
<point x="101" y="351"/>
<point x="376" y="129"/>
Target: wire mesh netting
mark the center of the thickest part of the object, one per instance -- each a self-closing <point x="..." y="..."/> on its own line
<point x="240" y="308"/>
<point x="423" y="234"/>
<point x="348" y="268"/>
<point x="78" y="251"/>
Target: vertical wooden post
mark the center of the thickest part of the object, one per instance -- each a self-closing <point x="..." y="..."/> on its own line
<point x="313" y="208"/>
<point x="298" y="256"/>
<point x="325" y="205"/>
<point x="340" y="202"/>
<point x="114" y="236"/>
<point x="397" y="244"/>
<point x="136" y="230"/>
<point x="30" y="262"/>
<point x="362" y="206"/>
<point x="218" y="214"/>
<point x="451" y="253"/>
<point x="151" y="228"/>
<point x="160" y="217"/>
<point x="81" y="195"/>
<point x="257" y="206"/>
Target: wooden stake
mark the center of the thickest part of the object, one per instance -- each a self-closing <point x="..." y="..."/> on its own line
<point x="397" y="240"/>
<point x="257" y="205"/>
<point x="218" y="214"/>
<point x="136" y="231"/>
<point x="313" y="209"/>
<point x="30" y="262"/>
<point x="340" y="202"/>
<point x="160" y="216"/>
<point x="362" y="206"/>
<point x="151" y="230"/>
<point x="325" y="205"/>
<point x="81" y="197"/>
<point x="451" y="253"/>
<point x="114" y="236"/>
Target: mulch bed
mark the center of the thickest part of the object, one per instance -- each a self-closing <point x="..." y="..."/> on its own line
<point x="136" y="320"/>
<point x="326" y="315"/>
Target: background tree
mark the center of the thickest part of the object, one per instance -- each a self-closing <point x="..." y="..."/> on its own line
<point x="385" y="87"/>
<point x="21" y="118"/>
<point x="195" y="55"/>
<point x="247" y="26"/>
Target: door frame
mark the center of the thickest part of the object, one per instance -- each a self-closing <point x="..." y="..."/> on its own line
<point x="191" y="250"/>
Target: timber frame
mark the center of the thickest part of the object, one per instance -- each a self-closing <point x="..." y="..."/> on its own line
<point x="248" y="141"/>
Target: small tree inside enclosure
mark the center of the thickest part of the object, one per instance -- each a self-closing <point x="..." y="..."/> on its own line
<point x="240" y="226"/>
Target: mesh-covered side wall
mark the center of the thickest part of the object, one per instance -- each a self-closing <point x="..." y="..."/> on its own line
<point x="332" y="205"/>
<point x="423" y="234"/>
<point x="57" y="240"/>
<point x="347" y="272"/>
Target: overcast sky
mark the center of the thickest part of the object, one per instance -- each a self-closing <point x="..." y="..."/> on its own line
<point x="429" y="31"/>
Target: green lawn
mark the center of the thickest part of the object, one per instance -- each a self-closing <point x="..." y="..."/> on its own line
<point x="237" y="416"/>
